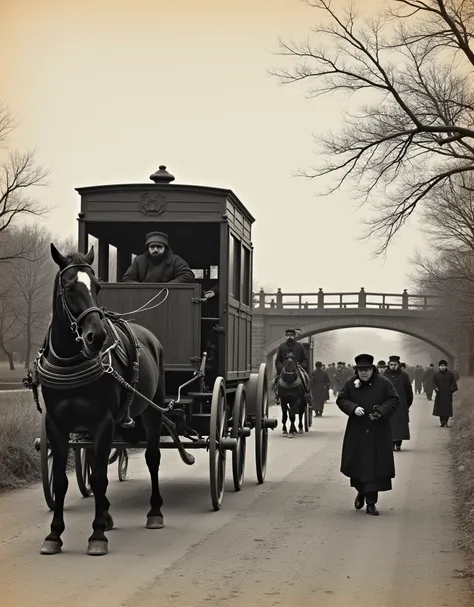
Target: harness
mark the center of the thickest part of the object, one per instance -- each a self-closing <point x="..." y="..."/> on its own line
<point x="80" y="371"/>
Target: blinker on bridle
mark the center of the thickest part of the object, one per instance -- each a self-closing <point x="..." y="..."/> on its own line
<point x="73" y="320"/>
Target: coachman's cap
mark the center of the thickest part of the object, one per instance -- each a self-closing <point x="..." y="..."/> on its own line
<point x="442" y="362"/>
<point x="394" y="359"/>
<point x="381" y="363"/>
<point x="290" y="332"/>
<point x="364" y="360"/>
<point x="156" y="238"/>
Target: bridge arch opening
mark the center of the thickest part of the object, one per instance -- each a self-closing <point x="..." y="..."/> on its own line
<point x="401" y="327"/>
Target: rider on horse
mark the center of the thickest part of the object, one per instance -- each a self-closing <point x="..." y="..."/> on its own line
<point x="295" y="349"/>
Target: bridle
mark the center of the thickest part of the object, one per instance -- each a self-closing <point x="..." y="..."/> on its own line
<point x="74" y="321"/>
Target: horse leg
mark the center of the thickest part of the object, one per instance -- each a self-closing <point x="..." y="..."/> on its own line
<point x="58" y="439"/>
<point x="103" y="437"/>
<point x="152" y="421"/>
<point x="292" y="407"/>
<point x="301" y="411"/>
<point x="284" y="417"/>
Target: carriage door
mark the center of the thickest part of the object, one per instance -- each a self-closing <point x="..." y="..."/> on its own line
<point x="239" y="311"/>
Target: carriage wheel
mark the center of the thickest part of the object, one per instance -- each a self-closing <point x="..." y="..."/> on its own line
<point x="261" y="430"/>
<point x="307" y="417"/>
<point x="239" y="416"/>
<point x="46" y="458"/>
<point x="83" y="464"/>
<point x="217" y="455"/>
<point x="114" y="455"/>
<point x="122" y="465"/>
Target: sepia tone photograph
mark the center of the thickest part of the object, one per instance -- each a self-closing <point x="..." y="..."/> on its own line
<point x="225" y="226"/>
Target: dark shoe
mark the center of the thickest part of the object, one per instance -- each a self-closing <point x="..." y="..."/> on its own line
<point x="359" y="502"/>
<point x="372" y="509"/>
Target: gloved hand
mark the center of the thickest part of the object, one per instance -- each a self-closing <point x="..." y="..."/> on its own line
<point x="359" y="411"/>
<point x="375" y="415"/>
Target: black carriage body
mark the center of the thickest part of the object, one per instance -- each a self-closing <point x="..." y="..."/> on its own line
<point x="208" y="227"/>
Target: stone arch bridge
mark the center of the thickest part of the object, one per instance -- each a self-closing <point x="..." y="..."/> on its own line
<point x="312" y="313"/>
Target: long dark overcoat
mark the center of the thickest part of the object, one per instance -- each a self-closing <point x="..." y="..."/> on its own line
<point x="400" y="420"/>
<point x="320" y="383"/>
<point x="367" y="450"/>
<point x="446" y="385"/>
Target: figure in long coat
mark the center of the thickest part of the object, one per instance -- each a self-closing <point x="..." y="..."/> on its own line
<point x="369" y="400"/>
<point x="418" y="379"/>
<point x="400" y="421"/>
<point x="445" y="386"/>
<point x="320" y="383"/>
<point x="428" y="382"/>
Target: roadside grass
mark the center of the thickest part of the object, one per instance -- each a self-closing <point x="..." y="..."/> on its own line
<point x="462" y="450"/>
<point x="8" y="376"/>
<point x="19" y="426"/>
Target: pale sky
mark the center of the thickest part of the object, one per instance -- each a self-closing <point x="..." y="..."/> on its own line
<point x="108" y="90"/>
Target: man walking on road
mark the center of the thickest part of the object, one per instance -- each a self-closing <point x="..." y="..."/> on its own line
<point x="369" y="400"/>
<point x="428" y="382"/>
<point x="400" y="421"/>
<point x="445" y="385"/>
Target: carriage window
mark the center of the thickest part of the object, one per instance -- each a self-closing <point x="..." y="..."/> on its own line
<point x="199" y="274"/>
<point x="234" y="267"/>
<point x="214" y="273"/>
<point x="246" y="271"/>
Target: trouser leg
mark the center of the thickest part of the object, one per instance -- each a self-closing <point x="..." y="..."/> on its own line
<point x="371" y="498"/>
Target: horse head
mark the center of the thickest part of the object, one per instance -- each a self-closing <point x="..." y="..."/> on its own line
<point x="290" y="366"/>
<point x="76" y="291"/>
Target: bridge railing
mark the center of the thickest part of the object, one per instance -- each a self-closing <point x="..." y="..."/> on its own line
<point x="356" y="299"/>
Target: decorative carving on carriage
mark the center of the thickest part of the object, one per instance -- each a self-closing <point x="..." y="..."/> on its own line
<point x="218" y="400"/>
<point x="153" y="204"/>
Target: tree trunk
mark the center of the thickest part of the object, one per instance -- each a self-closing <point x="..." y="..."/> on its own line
<point x="9" y="355"/>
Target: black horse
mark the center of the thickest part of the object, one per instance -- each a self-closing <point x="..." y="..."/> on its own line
<point x="80" y="369"/>
<point x="292" y="396"/>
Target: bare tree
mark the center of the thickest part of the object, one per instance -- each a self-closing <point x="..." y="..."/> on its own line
<point x="33" y="281"/>
<point x="411" y="65"/>
<point x="9" y="329"/>
<point x="19" y="173"/>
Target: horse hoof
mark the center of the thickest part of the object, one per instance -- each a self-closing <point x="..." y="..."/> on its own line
<point x="154" y="522"/>
<point x="291" y="435"/>
<point x="97" y="548"/>
<point x="300" y="431"/>
<point x="109" y="523"/>
<point x="50" y="547"/>
<point x="285" y="432"/>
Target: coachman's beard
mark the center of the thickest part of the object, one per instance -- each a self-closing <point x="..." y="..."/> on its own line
<point x="156" y="258"/>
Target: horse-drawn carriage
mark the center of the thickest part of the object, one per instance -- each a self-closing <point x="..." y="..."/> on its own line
<point x="216" y="398"/>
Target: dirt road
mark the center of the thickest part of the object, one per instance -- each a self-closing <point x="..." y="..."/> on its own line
<point x="294" y="541"/>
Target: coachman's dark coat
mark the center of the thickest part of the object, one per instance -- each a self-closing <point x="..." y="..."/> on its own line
<point x="400" y="420"/>
<point x="367" y="450"/>
<point x="446" y="384"/>
<point x="172" y="268"/>
<point x="297" y="350"/>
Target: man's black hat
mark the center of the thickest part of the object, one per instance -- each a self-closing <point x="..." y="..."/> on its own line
<point x="156" y="238"/>
<point x="443" y="362"/>
<point x="290" y="332"/>
<point x="364" y="360"/>
<point x="381" y="363"/>
<point x="394" y="359"/>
